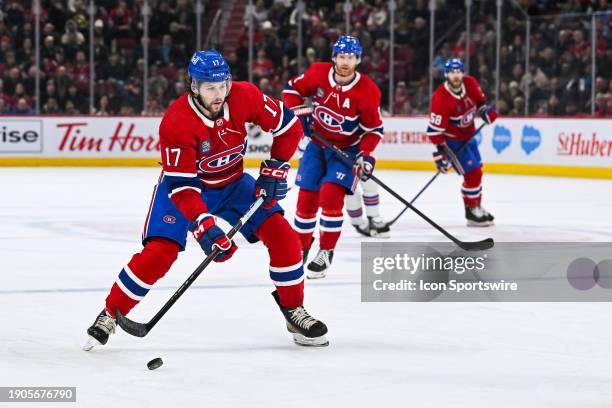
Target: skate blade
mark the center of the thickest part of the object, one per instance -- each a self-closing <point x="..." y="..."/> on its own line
<point x="315" y="275"/>
<point x="301" y="340"/>
<point x="471" y="223"/>
<point x="90" y="344"/>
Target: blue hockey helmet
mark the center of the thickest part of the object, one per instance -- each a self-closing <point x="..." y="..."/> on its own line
<point x="347" y="44"/>
<point x="453" y="64"/>
<point x="208" y="66"/>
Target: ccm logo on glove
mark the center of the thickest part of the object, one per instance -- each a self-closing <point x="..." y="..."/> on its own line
<point x="276" y="173"/>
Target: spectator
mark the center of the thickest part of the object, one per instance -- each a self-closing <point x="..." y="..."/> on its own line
<point x="559" y="64"/>
<point x="113" y="69"/>
<point x="401" y="96"/>
<point x="51" y="107"/>
<point x="518" y="106"/>
<point x="70" y="108"/>
<point x="161" y="19"/>
<point x="121" y="21"/>
<point x="262" y="66"/>
<point x="80" y="72"/>
<point x="168" y="54"/>
<point x="22" y="108"/>
<point x="264" y="86"/>
<point x="103" y="106"/>
<point x="238" y="67"/>
<point x="72" y="39"/>
<point x="77" y="97"/>
<point x="48" y="49"/>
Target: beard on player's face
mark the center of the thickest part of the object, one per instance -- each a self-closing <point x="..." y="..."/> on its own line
<point x="455" y="79"/>
<point x="212" y="97"/>
<point x="345" y="65"/>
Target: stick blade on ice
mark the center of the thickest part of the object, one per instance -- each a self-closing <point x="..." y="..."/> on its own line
<point x="130" y="326"/>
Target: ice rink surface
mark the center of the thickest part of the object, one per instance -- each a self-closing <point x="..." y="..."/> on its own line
<point x="67" y="232"/>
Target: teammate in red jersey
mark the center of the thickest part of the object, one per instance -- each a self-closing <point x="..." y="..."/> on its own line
<point x="203" y="140"/>
<point x="346" y="111"/>
<point x="454" y="106"/>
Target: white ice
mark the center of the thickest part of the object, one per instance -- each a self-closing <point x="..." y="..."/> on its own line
<point x="65" y="234"/>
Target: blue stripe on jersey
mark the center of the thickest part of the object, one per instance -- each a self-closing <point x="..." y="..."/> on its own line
<point x="288" y="87"/>
<point x="287" y="117"/>
<point x="287" y="276"/>
<point x="331" y="224"/>
<point x="132" y="286"/>
<point x="304" y="225"/>
<point x="474" y="193"/>
<point x="176" y="182"/>
<point x="431" y="131"/>
<point x="378" y="130"/>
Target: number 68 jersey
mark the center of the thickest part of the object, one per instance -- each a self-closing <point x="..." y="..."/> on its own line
<point x="452" y="114"/>
<point x="199" y="150"/>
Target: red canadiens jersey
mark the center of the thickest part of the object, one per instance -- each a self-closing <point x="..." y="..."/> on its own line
<point x="196" y="149"/>
<point x="452" y="115"/>
<point x="343" y="114"/>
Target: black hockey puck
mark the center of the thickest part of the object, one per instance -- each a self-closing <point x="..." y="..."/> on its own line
<point x="155" y="363"/>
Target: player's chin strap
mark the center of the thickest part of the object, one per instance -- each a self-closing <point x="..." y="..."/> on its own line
<point x="468" y="246"/>
<point x="461" y="149"/>
<point x="142" y="329"/>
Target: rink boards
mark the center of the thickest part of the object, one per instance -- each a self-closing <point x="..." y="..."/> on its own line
<point x="576" y="147"/>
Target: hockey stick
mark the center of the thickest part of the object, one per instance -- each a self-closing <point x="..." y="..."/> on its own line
<point x="435" y="176"/>
<point x="142" y="329"/>
<point x="468" y="246"/>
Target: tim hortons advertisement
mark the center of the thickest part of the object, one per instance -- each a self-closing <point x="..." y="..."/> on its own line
<point x="524" y="141"/>
<point x="79" y="137"/>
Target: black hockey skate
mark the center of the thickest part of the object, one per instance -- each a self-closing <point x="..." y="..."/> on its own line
<point x="318" y="267"/>
<point x="374" y="228"/>
<point x="100" y="330"/>
<point x="306" y="330"/>
<point x="478" y="217"/>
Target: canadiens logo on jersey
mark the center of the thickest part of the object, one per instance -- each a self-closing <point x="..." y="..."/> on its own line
<point x="223" y="160"/>
<point x="169" y="219"/>
<point x="342" y="113"/>
<point x="212" y="149"/>
<point x="465" y="120"/>
<point x="329" y="119"/>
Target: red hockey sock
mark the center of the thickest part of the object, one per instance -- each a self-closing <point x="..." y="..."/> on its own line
<point x="286" y="270"/>
<point x="305" y="219"/>
<point x="138" y="276"/>
<point x="332" y="201"/>
<point x="472" y="188"/>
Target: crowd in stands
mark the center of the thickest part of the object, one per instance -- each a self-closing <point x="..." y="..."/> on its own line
<point x="558" y="81"/>
<point x="118" y="55"/>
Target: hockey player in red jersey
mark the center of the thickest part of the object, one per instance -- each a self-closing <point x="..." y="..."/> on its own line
<point x="346" y="111"/>
<point x="454" y="106"/>
<point x="203" y="140"/>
